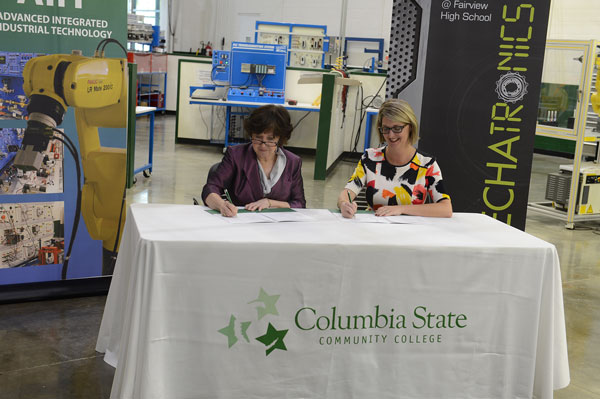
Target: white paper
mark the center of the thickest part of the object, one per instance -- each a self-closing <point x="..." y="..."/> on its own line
<point x="247" y="217"/>
<point x="362" y="218"/>
<point x="406" y="219"/>
<point x="288" y="217"/>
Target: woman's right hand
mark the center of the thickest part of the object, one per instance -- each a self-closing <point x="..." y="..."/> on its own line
<point x="348" y="209"/>
<point x="227" y="209"/>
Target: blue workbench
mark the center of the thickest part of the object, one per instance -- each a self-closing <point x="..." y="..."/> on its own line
<point x="149" y="111"/>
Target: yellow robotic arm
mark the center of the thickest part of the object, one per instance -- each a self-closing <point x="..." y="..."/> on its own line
<point x="596" y="96"/>
<point x="97" y="89"/>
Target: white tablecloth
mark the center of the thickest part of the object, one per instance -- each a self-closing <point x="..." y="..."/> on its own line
<point x="465" y="307"/>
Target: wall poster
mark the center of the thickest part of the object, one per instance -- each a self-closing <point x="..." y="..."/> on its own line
<point x="45" y="61"/>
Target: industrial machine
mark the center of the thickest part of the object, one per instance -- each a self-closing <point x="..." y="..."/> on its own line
<point x="588" y="193"/>
<point x="588" y="196"/>
<point x="97" y="89"/>
<point x="257" y="73"/>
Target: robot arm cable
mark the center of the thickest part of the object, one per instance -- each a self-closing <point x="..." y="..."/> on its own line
<point x="104" y="42"/>
<point x="72" y="149"/>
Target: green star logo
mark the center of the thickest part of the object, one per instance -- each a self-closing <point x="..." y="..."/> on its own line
<point x="229" y="332"/>
<point x="269" y="302"/>
<point x="244" y="327"/>
<point x="272" y="339"/>
<point x="273" y="335"/>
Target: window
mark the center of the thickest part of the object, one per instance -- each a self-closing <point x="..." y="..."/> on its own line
<point x="150" y="9"/>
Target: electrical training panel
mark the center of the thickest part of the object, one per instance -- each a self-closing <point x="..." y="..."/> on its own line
<point x="13" y="101"/>
<point x="257" y="72"/>
<point x="47" y="179"/>
<point x="307" y="44"/>
<point x="31" y="233"/>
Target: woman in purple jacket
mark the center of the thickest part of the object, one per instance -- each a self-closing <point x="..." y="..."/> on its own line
<point x="260" y="174"/>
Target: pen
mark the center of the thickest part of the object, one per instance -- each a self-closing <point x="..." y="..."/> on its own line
<point x="228" y="197"/>
<point x="349" y="198"/>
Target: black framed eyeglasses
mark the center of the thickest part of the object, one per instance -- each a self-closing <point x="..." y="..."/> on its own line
<point x="395" y="129"/>
<point x="268" y="143"/>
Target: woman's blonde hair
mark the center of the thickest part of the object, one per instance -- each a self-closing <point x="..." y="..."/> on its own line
<point x="399" y="111"/>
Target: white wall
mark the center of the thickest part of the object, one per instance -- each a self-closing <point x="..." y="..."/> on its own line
<point x="234" y="20"/>
<point x="211" y="20"/>
<point x="574" y="20"/>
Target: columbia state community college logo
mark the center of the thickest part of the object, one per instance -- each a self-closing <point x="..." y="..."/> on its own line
<point x="272" y="338"/>
<point x="332" y="327"/>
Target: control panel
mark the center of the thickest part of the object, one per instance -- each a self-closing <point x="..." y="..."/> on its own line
<point x="220" y="66"/>
<point x="274" y="38"/>
<point x="257" y="72"/>
<point x="305" y="59"/>
<point x="592" y="179"/>
<point x="254" y="94"/>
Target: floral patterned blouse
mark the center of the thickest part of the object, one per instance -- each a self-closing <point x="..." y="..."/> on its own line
<point x="388" y="184"/>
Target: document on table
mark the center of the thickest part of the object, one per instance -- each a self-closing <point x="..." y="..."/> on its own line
<point x="288" y="216"/>
<point x="265" y="216"/>
<point x="369" y="217"/>
<point x="360" y="217"/>
<point x="407" y="219"/>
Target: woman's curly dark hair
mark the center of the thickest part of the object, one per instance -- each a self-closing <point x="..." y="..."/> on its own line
<point x="269" y="118"/>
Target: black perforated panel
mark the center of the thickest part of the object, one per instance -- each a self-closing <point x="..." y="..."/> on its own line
<point x="404" y="46"/>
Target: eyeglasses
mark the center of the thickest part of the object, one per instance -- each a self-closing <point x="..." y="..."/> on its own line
<point x="269" y="143"/>
<point x="396" y="129"/>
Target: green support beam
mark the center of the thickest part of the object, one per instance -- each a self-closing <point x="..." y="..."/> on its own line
<point x="324" y="126"/>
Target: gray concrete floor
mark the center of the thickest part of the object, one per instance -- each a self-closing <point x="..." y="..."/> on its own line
<point x="47" y="348"/>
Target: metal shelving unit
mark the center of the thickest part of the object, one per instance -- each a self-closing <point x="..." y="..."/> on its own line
<point x="151" y="89"/>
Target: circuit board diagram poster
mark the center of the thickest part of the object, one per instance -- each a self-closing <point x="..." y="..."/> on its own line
<point x="37" y="207"/>
<point x="480" y="100"/>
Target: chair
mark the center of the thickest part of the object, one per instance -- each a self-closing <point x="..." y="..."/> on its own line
<point x="211" y="171"/>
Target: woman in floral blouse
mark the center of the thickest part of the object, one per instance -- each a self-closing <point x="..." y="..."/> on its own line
<point x="398" y="178"/>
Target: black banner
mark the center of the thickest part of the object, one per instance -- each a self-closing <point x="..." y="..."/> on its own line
<point x="480" y="101"/>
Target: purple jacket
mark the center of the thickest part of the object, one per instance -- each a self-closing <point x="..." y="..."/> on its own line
<point x="238" y="173"/>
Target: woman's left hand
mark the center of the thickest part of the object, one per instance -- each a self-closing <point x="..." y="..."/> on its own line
<point x="391" y="210"/>
<point x="259" y="205"/>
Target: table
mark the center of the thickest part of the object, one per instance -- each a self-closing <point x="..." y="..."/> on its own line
<point x="463" y="307"/>
<point x="247" y="104"/>
<point x="142" y="111"/>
